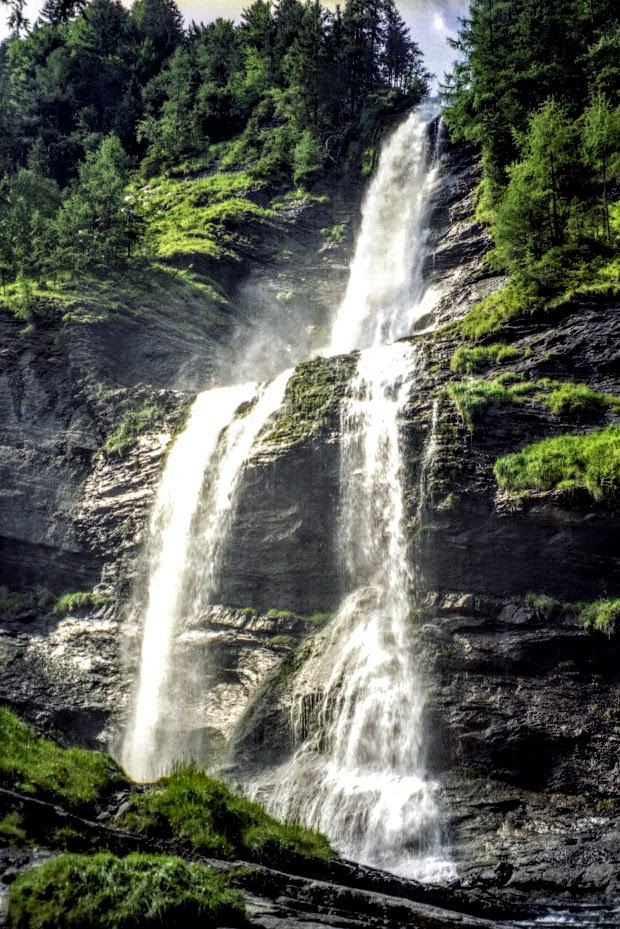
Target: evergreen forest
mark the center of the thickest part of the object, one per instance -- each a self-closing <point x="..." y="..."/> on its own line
<point x="537" y="88"/>
<point x="103" y="106"/>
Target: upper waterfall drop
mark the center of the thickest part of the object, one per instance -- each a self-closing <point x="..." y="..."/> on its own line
<point x="386" y="290"/>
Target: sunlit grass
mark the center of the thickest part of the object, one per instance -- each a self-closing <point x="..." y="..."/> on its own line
<point x="105" y="892"/>
<point x="590" y="462"/>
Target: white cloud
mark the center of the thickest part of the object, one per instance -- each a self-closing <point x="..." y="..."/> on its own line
<point x="439" y="22"/>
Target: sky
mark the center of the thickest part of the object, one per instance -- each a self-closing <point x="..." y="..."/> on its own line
<point x="430" y="22"/>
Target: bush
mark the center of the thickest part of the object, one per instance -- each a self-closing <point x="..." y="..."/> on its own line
<point x="223" y="824"/>
<point x="566" y="463"/>
<point x="35" y="765"/>
<point x="576" y="401"/>
<point x="88" y="892"/>
<point x="471" y="360"/>
<point x="602" y="616"/>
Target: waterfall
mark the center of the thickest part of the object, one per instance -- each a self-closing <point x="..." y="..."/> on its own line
<point x="357" y="717"/>
<point x="386" y="293"/>
<point x="358" y="771"/>
<point x="185" y="552"/>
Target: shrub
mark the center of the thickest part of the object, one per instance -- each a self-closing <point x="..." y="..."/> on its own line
<point x="565" y="463"/>
<point x="602" y="616"/>
<point x="471" y="360"/>
<point x="223" y="824"/>
<point x="35" y="765"/>
<point x="105" y="892"/>
<point x="576" y="401"/>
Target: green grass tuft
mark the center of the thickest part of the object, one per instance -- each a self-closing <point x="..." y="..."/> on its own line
<point x="223" y="824"/>
<point x="35" y="765"/>
<point x="472" y="398"/>
<point x="79" y="601"/>
<point x="12" y="831"/>
<point x="577" y="402"/>
<point x="590" y="462"/>
<point x="468" y="360"/>
<point x="602" y="616"/>
<point x="490" y="314"/>
<point x="545" y="607"/>
<point x="134" y="424"/>
<point x="197" y="215"/>
<point x="105" y="892"/>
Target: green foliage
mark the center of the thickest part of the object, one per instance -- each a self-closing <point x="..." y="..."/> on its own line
<point x="11" y="601"/>
<point x="602" y="616"/>
<point x="12" y="832"/>
<point x="490" y="314"/>
<point x="334" y="235"/>
<point x="471" y="360"/>
<point x="97" y="98"/>
<point x="134" y="423"/>
<point x="472" y="398"/>
<point x="538" y="87"/>
<point x="98" y="223"/>
<point x="545" y="607"/>
<point x="576" y="401"/>
<point x="35" y="765"/>
<point x="78" y="602"/>
<point x="122" y="893"/>
<point x="312" y="399"/>
<point x="308" y="157"/>
<point x="565" y="463"/>
<point x="317" y="619"/>
<point x="197" y="216"/>
<point x="282" y="640"/>
<point x="220" y="823"/>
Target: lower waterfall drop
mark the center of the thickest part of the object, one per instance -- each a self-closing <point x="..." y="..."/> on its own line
<point x="194" y="507"/>
<point x="357" y="717"/>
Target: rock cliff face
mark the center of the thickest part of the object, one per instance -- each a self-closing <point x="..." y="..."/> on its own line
<point x="73" y="516"/>
<point x="523" y="704"/>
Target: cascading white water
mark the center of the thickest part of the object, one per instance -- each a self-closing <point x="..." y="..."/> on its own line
<point x="386" y="291"/>
<point x="184" y="559"/>
<point x="358" y="771"/>
<point x="358" y="712"/>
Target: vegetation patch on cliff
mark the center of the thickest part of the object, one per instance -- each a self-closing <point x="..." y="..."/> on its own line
<point x="197" y="215"/>
<point x="579" y="402"/>
<point x="35" y="765"/>
<point x="312" y="399"/>
<point x="105" y="892"/>
<point x="473" y="397"/>
<point x="602" y="616"/>
<point x="468" y="360"/>
<point x="215" y="821"/>
<point x="79" y="602"/>
<point x="132" y="426"/>
<point x="565" y="463"/>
